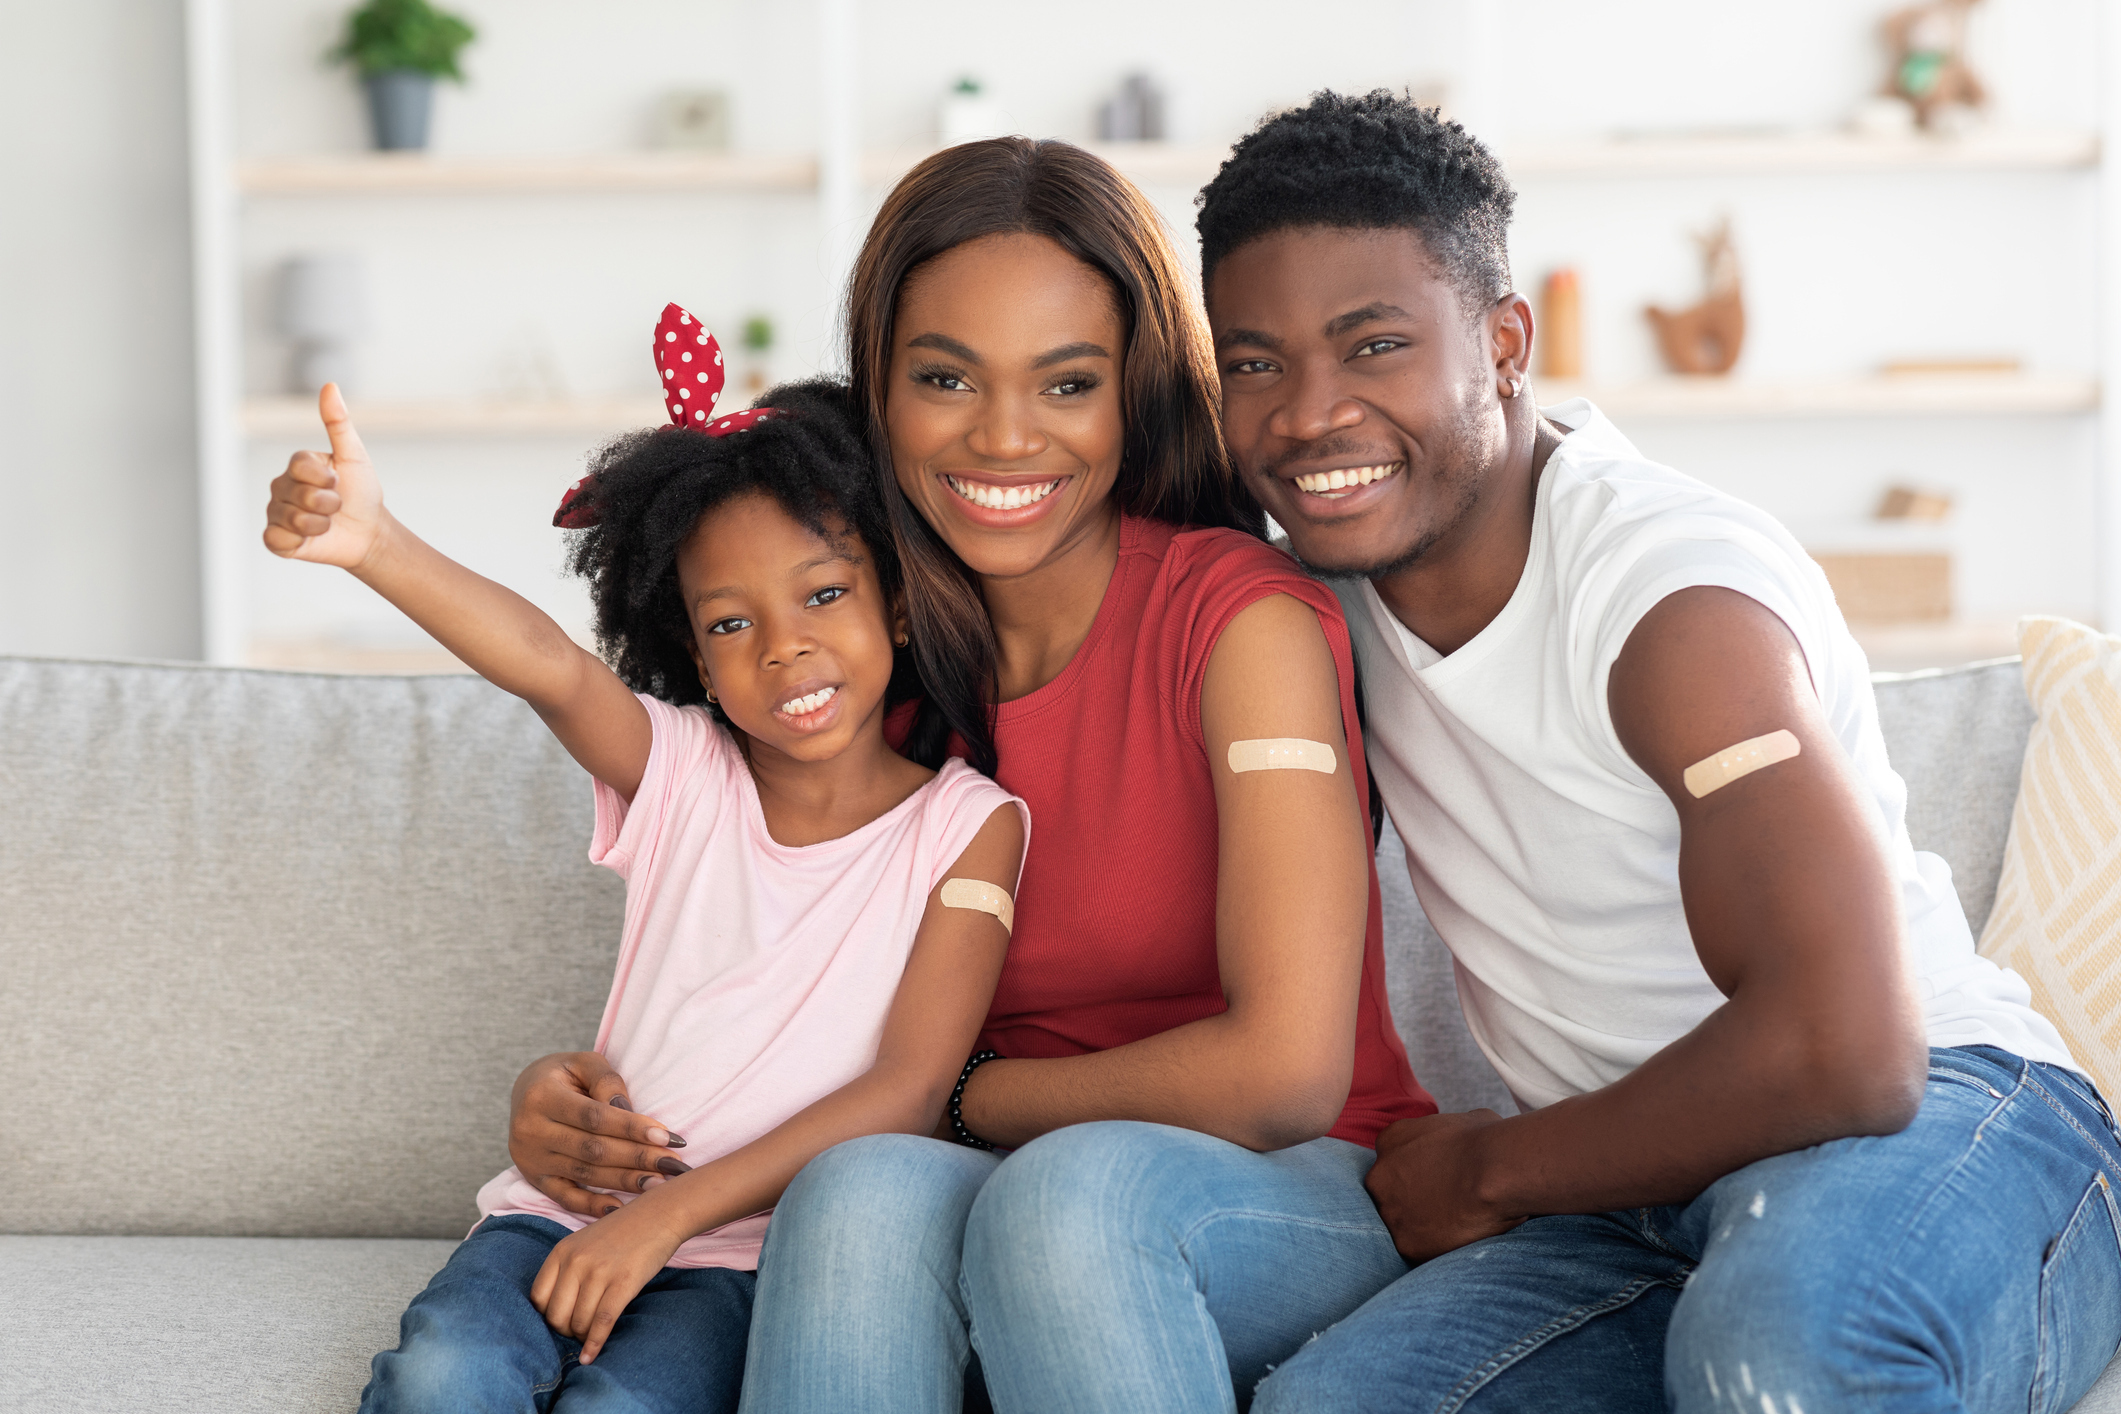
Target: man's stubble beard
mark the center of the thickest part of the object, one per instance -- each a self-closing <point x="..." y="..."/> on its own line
<point x="1456" y="480"/>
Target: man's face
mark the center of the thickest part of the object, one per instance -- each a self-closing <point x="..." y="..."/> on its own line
<point x="1345" y="355"/>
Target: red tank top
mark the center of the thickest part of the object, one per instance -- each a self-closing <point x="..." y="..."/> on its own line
<point x="1115" y="917"/>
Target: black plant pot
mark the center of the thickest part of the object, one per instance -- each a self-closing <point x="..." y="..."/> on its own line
<point x="400" y="101"/>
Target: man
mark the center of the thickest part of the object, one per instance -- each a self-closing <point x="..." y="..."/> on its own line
<point x="1786" y="1142"/>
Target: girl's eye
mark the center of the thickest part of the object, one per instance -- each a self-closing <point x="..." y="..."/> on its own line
<point x="728" y="625"/>
<point x="1378" y="346"/>
<point x="825" y="596"/>
<point x="1075" y="385"/>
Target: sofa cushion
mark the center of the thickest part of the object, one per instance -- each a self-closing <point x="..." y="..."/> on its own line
<point x="1956" y="738"/>
<point x="2057" y="921"/>
<point x="277" y="944"/>
<point x="228" y="1324"/>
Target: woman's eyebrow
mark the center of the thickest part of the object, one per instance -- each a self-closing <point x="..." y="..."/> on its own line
<point x="1080" y="349"/>
<point x="943" y="343"/>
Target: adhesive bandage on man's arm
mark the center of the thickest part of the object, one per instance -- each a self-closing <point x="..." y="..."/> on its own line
<point x="1281" y="753"/>
<point x="982" y="897"/>
<point x="1746" y="757"/>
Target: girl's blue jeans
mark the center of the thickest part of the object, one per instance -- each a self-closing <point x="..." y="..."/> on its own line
<point x="1968" y="1262"/>
<point x="472" y="1342"/>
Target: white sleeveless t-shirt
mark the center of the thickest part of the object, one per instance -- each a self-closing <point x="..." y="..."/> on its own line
<point x="1546" y="859"/>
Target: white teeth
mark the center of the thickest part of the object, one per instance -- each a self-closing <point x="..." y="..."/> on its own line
<point x="997" y="498"/>
<point x="803" y="706"/>
<point x="1320" y="483"/>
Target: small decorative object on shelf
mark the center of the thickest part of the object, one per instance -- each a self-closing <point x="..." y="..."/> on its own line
<point x="1559" y="332"/>
<point x="758" y="343"/>
<point x="1911" y="503"/>
<point x="1928" y="44"/>
<point x="967" y="115"/>
<point x="1706" y="338"/>
<point x="695" y="120"/>
<point x="323" y="309"/>
<point x="399" y="48"/>
<point x="1134" y="114"/>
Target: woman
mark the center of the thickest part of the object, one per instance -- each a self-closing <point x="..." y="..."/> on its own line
<point x="1196" y="1052"/>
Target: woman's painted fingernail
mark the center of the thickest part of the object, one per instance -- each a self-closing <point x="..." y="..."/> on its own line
<point x="673" y="1167"/>
<point x="675" y="1141"/>
<point x="609" y="1211"/>
<point x="618" y="1102"/>
<point x="643" y="1181"/>
<point x="653" y="1181"/>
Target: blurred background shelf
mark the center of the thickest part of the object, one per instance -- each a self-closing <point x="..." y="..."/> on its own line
<point x="454" y="417"/>
<point x="1804" y="153"/>
<point x="400" y="173"/>
<point x="1925" y="395"/>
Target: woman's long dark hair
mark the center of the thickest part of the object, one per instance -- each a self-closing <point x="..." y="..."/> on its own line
<point x="1173" y="466"/>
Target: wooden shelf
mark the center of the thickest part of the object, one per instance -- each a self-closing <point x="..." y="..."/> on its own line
<point x="414" y="173"/>
<point x="1767" y="153"/>
<point x="297" y="417"/>
<point x="1150" y="163"/>
<point x="1900" y="395"/>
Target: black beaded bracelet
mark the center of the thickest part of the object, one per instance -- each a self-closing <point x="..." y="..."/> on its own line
<point x="957" y="1100"/>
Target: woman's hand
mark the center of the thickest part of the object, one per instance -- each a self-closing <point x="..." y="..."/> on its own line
<point x="589" y="1279"/>
<point x="571" y="1129"/>
<point x="327" y="509"/>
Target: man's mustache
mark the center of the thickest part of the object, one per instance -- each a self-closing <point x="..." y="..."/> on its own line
<point x="1330" y="449"/>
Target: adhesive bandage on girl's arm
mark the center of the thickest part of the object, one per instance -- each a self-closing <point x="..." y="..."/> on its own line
<point x="983" y="897"/>
<point x="1281" y="753"/>
<point x="1743" y="759"/>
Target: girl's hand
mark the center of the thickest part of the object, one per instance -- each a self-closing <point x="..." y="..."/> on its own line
<point x="328" y="510"/>
<point x="571" y="1129"/>
<point x="590" y="1278"/>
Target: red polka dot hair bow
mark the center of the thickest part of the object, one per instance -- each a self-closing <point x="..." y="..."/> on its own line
<point x="693" y="371"/>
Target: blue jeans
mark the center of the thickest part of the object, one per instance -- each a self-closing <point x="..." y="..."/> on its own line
<point x="1111" y="1266"/>
<point x="472" y="1342"/>
<point x="1970" y="1262"/>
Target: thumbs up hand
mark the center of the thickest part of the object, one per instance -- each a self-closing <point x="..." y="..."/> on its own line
<point x="327" y="509"/>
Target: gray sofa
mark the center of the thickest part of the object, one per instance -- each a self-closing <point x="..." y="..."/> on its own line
<point x="274" y="945"/>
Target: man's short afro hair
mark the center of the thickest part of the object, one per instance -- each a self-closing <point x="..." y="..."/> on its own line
<point x="1378" y="162"/>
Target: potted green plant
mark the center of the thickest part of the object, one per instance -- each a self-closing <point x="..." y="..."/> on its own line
<point x="399" y="48"/>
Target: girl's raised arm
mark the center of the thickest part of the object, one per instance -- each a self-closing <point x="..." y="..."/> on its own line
<point x="329" y="510"/>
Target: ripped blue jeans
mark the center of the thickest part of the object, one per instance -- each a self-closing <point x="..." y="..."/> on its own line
<point x="1969" y="1262"/>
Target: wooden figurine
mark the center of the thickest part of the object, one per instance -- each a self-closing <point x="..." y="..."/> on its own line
<point x="1928" y="42"/>
<point x="1707" y="337"/>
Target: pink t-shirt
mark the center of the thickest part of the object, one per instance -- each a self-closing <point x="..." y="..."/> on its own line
<point x="753" y="977"/>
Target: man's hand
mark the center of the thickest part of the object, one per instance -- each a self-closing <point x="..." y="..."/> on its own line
<point x="327" y="509"/>
<point x="571" y="1129"/>
<point x="1425" y="1184"/>
<point x="591" y="1276"/>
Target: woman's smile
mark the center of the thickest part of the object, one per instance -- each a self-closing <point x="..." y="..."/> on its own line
<point x="998" y="503"/>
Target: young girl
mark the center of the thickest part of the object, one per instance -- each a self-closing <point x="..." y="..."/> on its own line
<point x="793" y="970"/>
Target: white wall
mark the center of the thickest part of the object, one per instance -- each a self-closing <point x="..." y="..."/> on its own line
<point x="97" y="492"/>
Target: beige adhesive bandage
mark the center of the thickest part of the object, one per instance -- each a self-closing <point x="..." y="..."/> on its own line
<point x="983" y="897"/>
<point x="1281" y="753"/>
<point x="1743" y="759"/>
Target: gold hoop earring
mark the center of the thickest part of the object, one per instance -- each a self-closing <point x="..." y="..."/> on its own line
<point x="712" y="698"/>
<point x="900" y="642"/>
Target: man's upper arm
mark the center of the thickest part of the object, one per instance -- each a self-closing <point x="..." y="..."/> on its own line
<point x="1782" y="864"/>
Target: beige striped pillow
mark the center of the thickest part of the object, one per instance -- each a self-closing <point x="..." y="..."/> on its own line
<point x="2057" y="921"/>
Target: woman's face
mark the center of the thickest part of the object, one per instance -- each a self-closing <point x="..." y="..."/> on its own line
<point x="1003" y="401"/>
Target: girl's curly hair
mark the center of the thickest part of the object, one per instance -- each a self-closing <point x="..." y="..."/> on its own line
<point x="648" y="490"/>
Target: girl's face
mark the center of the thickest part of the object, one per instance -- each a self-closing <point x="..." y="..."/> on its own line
<point x="1003" y="400"/>
<point x="790" y="629"/>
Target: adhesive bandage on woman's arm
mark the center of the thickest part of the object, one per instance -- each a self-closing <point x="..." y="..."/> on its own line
<point x="1743" y="759"/>
<point x="1281" y="753"/>
<point x="982" y="897"/>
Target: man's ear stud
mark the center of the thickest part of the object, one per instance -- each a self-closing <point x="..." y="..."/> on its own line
<point x="1510" y="389"/>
